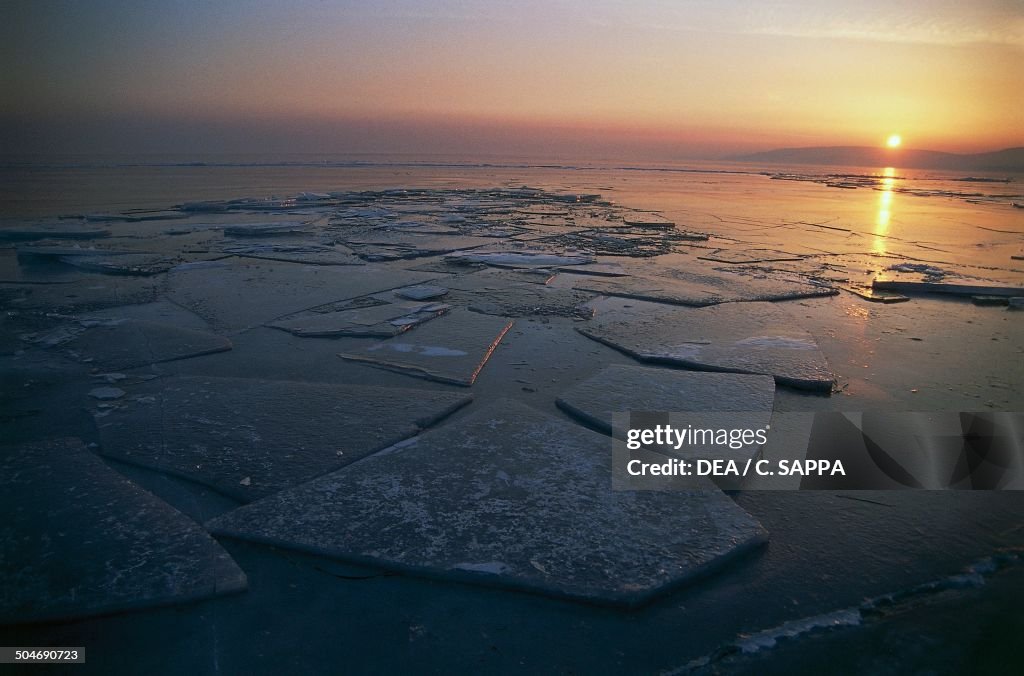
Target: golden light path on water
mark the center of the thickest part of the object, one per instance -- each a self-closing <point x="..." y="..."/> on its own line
<point x="884" y="215"/>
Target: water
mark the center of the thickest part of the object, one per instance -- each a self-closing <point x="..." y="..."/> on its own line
<point x="44" y="186"/>
<point x="915" y="215"/>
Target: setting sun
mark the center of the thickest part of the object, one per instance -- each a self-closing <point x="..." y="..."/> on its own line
<point x="894" y="141"/>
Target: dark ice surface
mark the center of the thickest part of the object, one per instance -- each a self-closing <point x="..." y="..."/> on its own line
<point x="703" y="400"/>
<point x="738" y="337"/>
<point x="451" y="349"/>
<point x="78" y="539"/>
<point x="240" y="437"/>
<point x="239" y="295"/>
<point x="533" y="509"/>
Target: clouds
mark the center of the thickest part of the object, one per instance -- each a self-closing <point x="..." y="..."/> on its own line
<point x="906" y="23"/>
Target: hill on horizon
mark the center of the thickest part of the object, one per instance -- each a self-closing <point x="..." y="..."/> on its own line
<point x="1008" y="159"/>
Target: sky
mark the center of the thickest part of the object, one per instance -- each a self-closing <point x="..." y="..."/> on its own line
<point x="656" y="78"/>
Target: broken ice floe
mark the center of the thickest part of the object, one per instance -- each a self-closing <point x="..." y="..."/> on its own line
<point x="930" y="273"/>
<point x="422" y="292"/>
<point x="509" y="497"/>
<point x="379" y="321"/>
<point x="306" y="253"/>
<point x="129" y="343"/>
<point x="452" y="349"/>
<point x="597" y="269"/>
<point x="504" y="295"/>
<point x="106" y="261"/>
<point x="699" y="287"/>
<point x="209" y="206"/>
<point x="985" y="301"/>
<point x="496" y="277"/>
<point x="130" y="264"/>
<point x="401" y="244"/>
<point x="912" y="278"/>
<point x="80" y="540"/>
<point x="378" y="225"/>
<point x="81" y="294"/>
<point x="222" y="431"/>
<point x="705" y="400"/>
<point x="737" y="337"/>
<point x="133" y="216"/>
<point x="749" y="256"/>
<point x="874" y="295"/>
<point x="242" y="295"/>
<point x="641" y="244"/>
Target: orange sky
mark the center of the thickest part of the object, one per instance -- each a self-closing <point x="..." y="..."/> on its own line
<point x="696" y="78"/>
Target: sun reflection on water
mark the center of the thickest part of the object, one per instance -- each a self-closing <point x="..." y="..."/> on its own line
<point x="884" y="214"/>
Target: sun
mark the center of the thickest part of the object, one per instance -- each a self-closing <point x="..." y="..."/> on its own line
<point x="894" y="141"/>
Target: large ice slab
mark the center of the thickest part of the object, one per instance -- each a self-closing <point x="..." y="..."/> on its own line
<point x="248" y="438"/>
<point x="702" y="287"/>
<point x="299" y="252"/>
<point x="141" y="265"/>
<point x="738" y="337"/>
<point x="51" y="231"/>
<point x="508" y="496"/>
<point x="915" y="281"/>
<point x="510" y="296"/>
<point x="88" y="293"/>
<point x="874" y="295"/>
<point x="129" y="343"/>
<point x="384" y="245"/>
<point x="451" y="349"/>
<point x="78" y="540"/>
<point x="378" y="321"/>
<point x="703" y="399"/>
<point x="240" y="295"/>
<point x="422" y="292"/>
